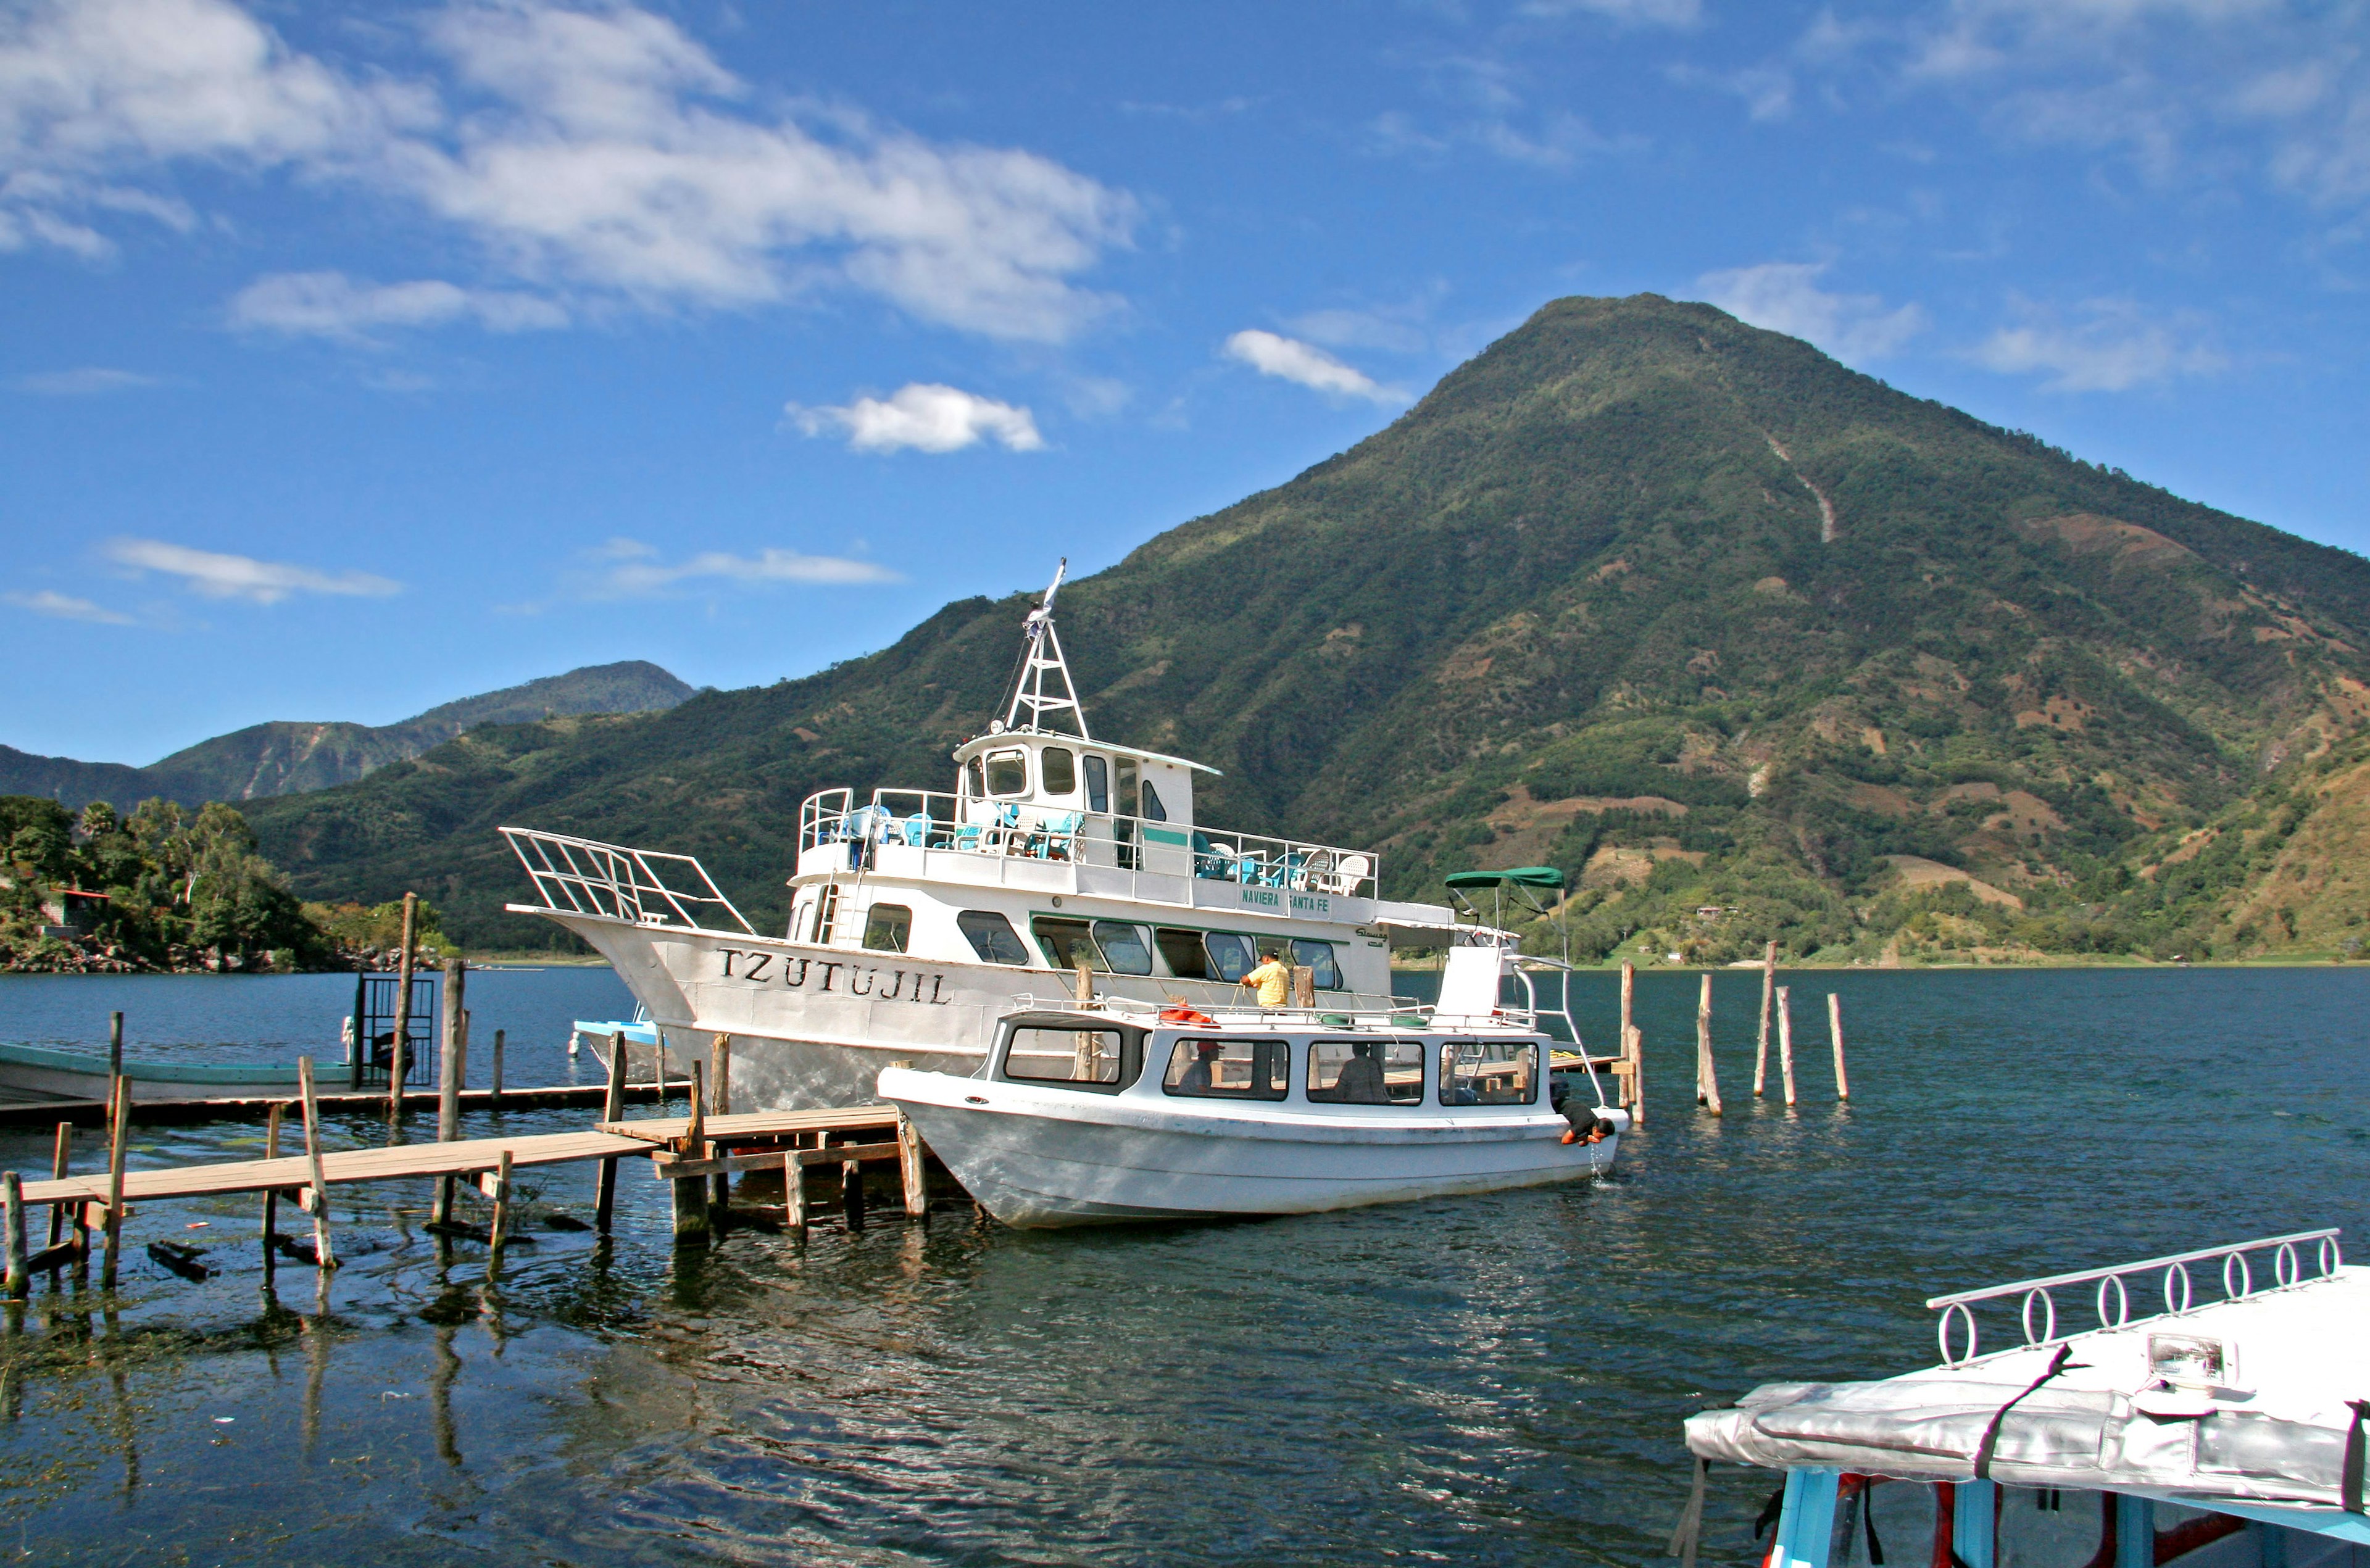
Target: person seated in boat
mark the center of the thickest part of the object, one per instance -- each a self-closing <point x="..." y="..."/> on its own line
<point x="1199" y="1071"/>
<point x="1271" y="979"/>
<point x="1361" y="1082"/>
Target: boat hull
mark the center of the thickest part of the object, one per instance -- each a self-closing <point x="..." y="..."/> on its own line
<point x="1038" y="1159"/>
<point x="31" y="1075"/>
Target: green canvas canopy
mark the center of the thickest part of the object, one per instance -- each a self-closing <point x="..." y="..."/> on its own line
<point x="1519" y="876"/>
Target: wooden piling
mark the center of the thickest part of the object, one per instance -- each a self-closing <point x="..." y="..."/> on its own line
<point x="501" y="1231"/>
<point x="322" y="1254"/>
<point x="1707" y="1070"/>
<point x="1786" y="1040"/>
<point x="397" y="1066"/>
<point x="613" y="1108"/>
<point x="18" y="1281"/>
<point x="910" y="1169"/>
<point x="794" y="1193"/>
<point x="1085" y="987"/>
<point x="1835" y="1038"/>
<point x="1303" y="986"/>
<point x="114" y="1046"/>
<point x="691" y="1192"/>
<point x="494" y="1096"/>
<point x="1633" y="1046"/>
<point x="721" y="1101"/>
<point x="119" y="1126"/>
<point x="851" y="1194"/>
<point x="271" y="1195"/>
<point x="452" y="1031"/>
<point x="1761" y="1046"/>
<point x="58" y="1157"/>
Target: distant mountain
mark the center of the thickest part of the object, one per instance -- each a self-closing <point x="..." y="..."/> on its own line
<point x="1750" y="645"/>
<point x="283" y="758"/>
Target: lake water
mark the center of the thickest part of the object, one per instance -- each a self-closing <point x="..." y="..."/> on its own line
<point x="1493" y="1379"/>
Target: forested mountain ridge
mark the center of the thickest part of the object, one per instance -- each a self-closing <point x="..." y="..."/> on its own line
<point x="1682" y="605"/>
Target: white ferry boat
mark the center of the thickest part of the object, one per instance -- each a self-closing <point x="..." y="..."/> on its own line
<point x="2225" y="1433"/>
<point x="1059" y="862"/>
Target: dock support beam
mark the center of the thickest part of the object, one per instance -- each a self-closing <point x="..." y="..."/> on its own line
<point x="452" y="1062"/>
<point x="271" y="1231"/>
<point x="691" y="1221"/>
<point x="721" y="1103"/>
<point x="500" y="1232"/>
<point x="323" y="1258"/>
<point x="58" y="1158"/>
<point x="613" y="1108"/>
<point x="120" y="1124"/>
<point x="1707" y="1070"/>
<point x="1835" y="1038"/>
<point x="1761" y="1044"/>
<point x="851" y="1194"/>
<point x="794" y="1193"/>
<point x="397" y="1066"/>
<point x="1786" y="1041"/>
<point x="910" y="1167"/>
<point x="18" y="1281"/>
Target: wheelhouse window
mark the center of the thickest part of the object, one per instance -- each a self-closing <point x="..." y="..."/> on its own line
<point x="1097" y="784"/>
<point x="1067" y="943"/>
<point x="1318" y="958"/>
<point x="1489" y="1072"/>
<point x="1080" y="1057"/>
<point x="1365" y="1072"/>
<point x="1183" y="952"/>
<point x="991" y="937"/>
<point x="1153" y="811"/>
<point x="887" y="928"/>
<point x="1008" y="773"/>
<point x="1122" y="947"/>
<point x="1228" y="1069"/>
<point x="1057" y="770"/>
<point x="976" y="772"/>
<point x="1127" y="767"/>
<point x="1231" y="956"/>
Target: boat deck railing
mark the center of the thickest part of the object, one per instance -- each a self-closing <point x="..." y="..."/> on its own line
<point x="644" y="886"/>
<point x="2297" y="1259"/>
<point x="933" y="819"/>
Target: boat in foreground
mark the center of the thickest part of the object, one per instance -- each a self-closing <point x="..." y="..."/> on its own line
<point x="2226" y="1434"/>
<point x="32" y="1073"/>
<point x="1088" y="1115"/>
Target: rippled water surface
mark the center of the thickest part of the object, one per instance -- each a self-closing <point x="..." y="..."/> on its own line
<point x="1492" y="1380"/>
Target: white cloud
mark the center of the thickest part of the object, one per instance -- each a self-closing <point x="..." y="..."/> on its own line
<point x="1784" y="296"/>
<point x="1307" y="364"/>
<point x="64" y="607"/>
<point x="218" y="576"/>
<point x="331" y="305"/>
<point x="2117" y="348"/>
<point x="926" y="417"/>
<point x="599" y="149"/>
<point x="87" y="382"/>
<point x="638" y="574"/>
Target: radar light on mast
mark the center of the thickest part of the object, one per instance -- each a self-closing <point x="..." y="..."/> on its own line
<point x="1043" y="691"/>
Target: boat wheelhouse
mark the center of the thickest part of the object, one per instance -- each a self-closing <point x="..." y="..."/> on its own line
<point x="2217" y="1434"/>
<point x="1058" y="862"/>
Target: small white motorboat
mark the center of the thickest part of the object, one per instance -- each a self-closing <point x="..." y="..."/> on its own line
<point x="33" y="1073"/>
<point x="1086" y="1114"/>
<point x="2224" y="1433"/>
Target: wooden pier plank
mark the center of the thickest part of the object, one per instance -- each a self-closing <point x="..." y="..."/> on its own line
<point x="341" y="1166"/>
<point x="758" y="1124"/>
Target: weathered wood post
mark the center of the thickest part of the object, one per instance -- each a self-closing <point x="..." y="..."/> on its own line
<point x="1303" y="986"/>
<point x="691" y="1192"/>
<point x="358" y="1046"/>
<point x="119" y="1129"/>
<point x="397" y="1066"/>
<point x="318" y="1190"/>
<point x="1085" y="988"/>
<point x="18" y="1281"/>
<point x="1628" y="992"/>
<point x="910" y="1169"/>
<point x="1835" y="1038"/>
<point x="270" y="1229"/>
<point x="720" y="1102"/>
<point x="501" y="1231"/>
<point x="613" y="1109"/>
<point x="114" y="1046"/>
<point x="1761" y="1046"/>
<point x="494" y="1099"/>
<point x="451" y="1030"/>
<point x="851" y="1194"/>
<point x="794" y="1192"/>
<point x="1633" y="1046"/>
<point x="1786" y="1040"/>
<point x="1707" y="1070"/>
<point x="58" y="1157"/>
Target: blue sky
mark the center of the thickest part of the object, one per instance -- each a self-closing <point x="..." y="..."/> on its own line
<point x="355" y="358"/>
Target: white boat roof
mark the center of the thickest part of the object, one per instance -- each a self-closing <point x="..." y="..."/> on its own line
<point x="993" y="738"/>
<point x="2272" y="1428"/>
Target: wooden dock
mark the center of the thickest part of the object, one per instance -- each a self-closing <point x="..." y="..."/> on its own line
<point x="255" y="1107"/>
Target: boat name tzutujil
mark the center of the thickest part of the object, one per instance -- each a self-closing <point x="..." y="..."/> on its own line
<point x="795" y="972"/>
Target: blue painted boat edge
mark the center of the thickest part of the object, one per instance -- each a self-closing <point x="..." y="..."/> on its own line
<point x="144" y="1071"/>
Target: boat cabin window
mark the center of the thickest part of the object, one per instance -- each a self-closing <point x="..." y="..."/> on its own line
<point x="1097" y="784"/>
<point x="1123" y="948"/>
<point x="1319" y="956"/>
<point x="1100" y="1060"/>
<point x="991" y="937"/>
<point x="1152" y="809"/>
<point x="887" y="928"/>
<point x="1489" y="1072"/>
<point x="1057" y="770"/>
<point x="1008" y="773"/>
<point x="1365" y="1072"/>
<point x="976" y="772"/>
<point x="1127" y="767"/>
<point x="1067" y="943"/>
<point x="826" y="914"/>
<point x="1231" y="956"/>
<point x="1229" y="1069"/>
<point x="1183" y="952"/>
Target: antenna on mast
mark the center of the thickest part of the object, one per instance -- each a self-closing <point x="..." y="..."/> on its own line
<point x="1043" y="691"/>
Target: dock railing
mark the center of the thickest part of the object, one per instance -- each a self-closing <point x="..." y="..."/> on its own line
<point x="933" y="819"/>
<point x="2290" y="1267"/>
<point x="645" y="886"/>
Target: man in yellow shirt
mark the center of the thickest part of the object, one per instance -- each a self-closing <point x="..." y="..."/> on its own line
<point x="1272" y="978"/>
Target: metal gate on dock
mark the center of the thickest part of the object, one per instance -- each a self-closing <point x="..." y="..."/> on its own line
<point x="370" y="1051"/>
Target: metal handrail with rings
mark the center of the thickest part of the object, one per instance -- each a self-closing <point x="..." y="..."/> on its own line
<point x="2288" y="1271"/>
